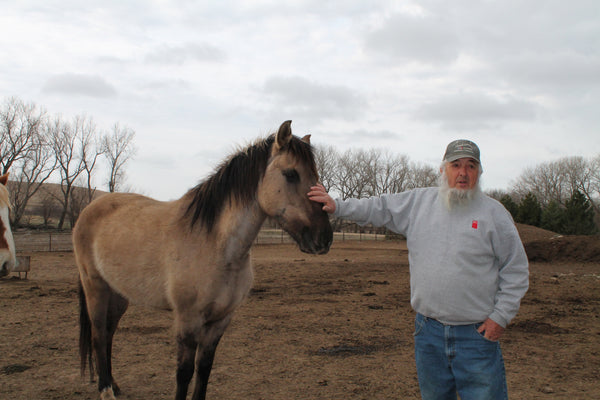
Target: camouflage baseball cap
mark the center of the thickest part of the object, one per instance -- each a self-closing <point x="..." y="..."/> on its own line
<point x="461" y="149"/>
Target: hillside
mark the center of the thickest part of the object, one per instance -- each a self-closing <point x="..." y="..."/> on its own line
<point x="47" y="201"/>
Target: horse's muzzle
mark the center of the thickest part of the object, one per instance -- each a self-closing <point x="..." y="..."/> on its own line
<point x="317" y="242"/>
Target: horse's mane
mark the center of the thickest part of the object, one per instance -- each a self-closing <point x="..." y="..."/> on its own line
<point x="237" y="179"/>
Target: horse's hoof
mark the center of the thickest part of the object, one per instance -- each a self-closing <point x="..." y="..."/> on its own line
<point x="107" y="394"/>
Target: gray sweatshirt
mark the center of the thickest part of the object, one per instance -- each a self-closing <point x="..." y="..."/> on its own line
<point x="466" y="264"/>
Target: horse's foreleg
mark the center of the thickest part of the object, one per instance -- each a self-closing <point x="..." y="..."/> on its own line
<point x="204" y="367"/>
<point x="208" y="347"/>
<point x="186" y="354"/>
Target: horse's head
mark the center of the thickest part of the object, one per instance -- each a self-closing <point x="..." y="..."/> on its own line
<point x="282" y="193"/>
<point x="7" y="245"/>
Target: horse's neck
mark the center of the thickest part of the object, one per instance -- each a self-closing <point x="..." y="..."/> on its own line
<point x="239" y="230"/>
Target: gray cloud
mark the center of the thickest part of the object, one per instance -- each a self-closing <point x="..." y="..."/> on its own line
<point x="79" y="84"/>
<point x="414" y="38"/>
<point x="557" y="71"/>
<point x="476" y="111"/>
<point x="181" y="54"/>
<point x="298" y="96"/>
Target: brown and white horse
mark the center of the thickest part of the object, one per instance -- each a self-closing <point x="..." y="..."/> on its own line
<point x="8" y="259"/>
<point x="191" y="255"/>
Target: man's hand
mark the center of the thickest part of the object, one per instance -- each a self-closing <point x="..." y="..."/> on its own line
<point x="491" y="330"/>
<point x="319" y="194"/>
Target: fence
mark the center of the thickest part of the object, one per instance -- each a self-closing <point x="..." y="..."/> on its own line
<point x="274" y="236"/>
<point x="32" y="241"/>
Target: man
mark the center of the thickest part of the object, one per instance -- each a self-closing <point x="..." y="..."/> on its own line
<point x="468" y="273"/>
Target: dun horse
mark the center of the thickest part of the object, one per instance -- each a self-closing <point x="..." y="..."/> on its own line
<point x="191" y="255"/>
<point x="8" y="259"/>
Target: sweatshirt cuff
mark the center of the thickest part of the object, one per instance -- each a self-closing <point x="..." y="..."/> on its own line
<point x="497" y="318"/>
<point x="336" y="213"/>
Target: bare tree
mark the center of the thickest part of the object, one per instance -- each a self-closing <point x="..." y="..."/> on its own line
<point x="29" y="174"/>
<point x="594" y="183"/>
<point x="582" y="175"/>
<point x="360" y="173"/>
<point x="558" y="180"/>
<point x="351" y="175"/>
<point x="19" y="125"/>
<point x="24" y="151"/>
<point x="72" y="146"/>
<point x="394" y="176"/>
<point x="326" y="160"/>
<point x="47" y="207"/>
<point x="544" y="181"/>
<point x="90" y="147"/>
<point x="421" y="175"/>
<point x="118" y="148"/>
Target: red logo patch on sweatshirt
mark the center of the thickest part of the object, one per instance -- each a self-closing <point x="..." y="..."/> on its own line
<point x="474" y="224"/>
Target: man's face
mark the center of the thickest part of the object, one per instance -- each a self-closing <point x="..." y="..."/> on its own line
<point x="462" y="173"/>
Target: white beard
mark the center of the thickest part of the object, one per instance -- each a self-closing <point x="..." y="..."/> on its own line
<point x="453" y="197"/>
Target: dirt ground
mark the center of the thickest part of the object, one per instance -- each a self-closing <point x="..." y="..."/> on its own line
<point x="337" y="326"/>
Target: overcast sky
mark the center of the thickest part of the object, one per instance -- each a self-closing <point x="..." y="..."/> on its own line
<point x="197" y="79"/>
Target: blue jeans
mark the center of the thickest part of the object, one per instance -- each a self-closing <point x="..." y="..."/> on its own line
<point x="457" y="358"/>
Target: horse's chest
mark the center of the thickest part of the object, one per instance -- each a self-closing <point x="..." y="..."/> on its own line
<point x="236" y="284"/>
<point x="229" y="290"/>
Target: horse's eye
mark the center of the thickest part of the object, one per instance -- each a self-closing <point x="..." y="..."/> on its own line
<point x="291" y="175"/>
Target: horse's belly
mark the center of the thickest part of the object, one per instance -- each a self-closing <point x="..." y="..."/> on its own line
<point x="145" y="286"/>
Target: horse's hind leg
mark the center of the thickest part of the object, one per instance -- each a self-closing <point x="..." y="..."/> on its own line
<point x="105" y="308"/>
<point x="117" y="307"/>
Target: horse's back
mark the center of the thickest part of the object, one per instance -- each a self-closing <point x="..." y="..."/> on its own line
<point x="113" y="212"/>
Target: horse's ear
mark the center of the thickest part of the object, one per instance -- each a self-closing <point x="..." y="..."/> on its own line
<point x="283" y="137"/>
<point x="306" y="139"/>
<point x="4" y="179"/>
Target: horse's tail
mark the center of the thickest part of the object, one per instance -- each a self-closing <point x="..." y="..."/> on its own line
<point x="85" y="335"/>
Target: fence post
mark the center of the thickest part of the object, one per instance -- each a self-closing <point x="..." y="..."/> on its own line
<point x="50" y="241"/>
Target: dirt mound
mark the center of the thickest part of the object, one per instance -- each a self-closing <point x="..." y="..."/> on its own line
<point x="546" y="246"/>
<point x="530" y="233"/>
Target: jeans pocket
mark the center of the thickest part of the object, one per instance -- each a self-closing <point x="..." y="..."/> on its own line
<point x="419" y="324"/>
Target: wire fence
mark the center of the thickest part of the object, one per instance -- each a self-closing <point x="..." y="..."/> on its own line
<point x="32" y="241"/>
<point x="274" y="236"/>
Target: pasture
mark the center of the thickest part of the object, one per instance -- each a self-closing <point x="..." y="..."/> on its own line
<point x="334" y="326"/>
